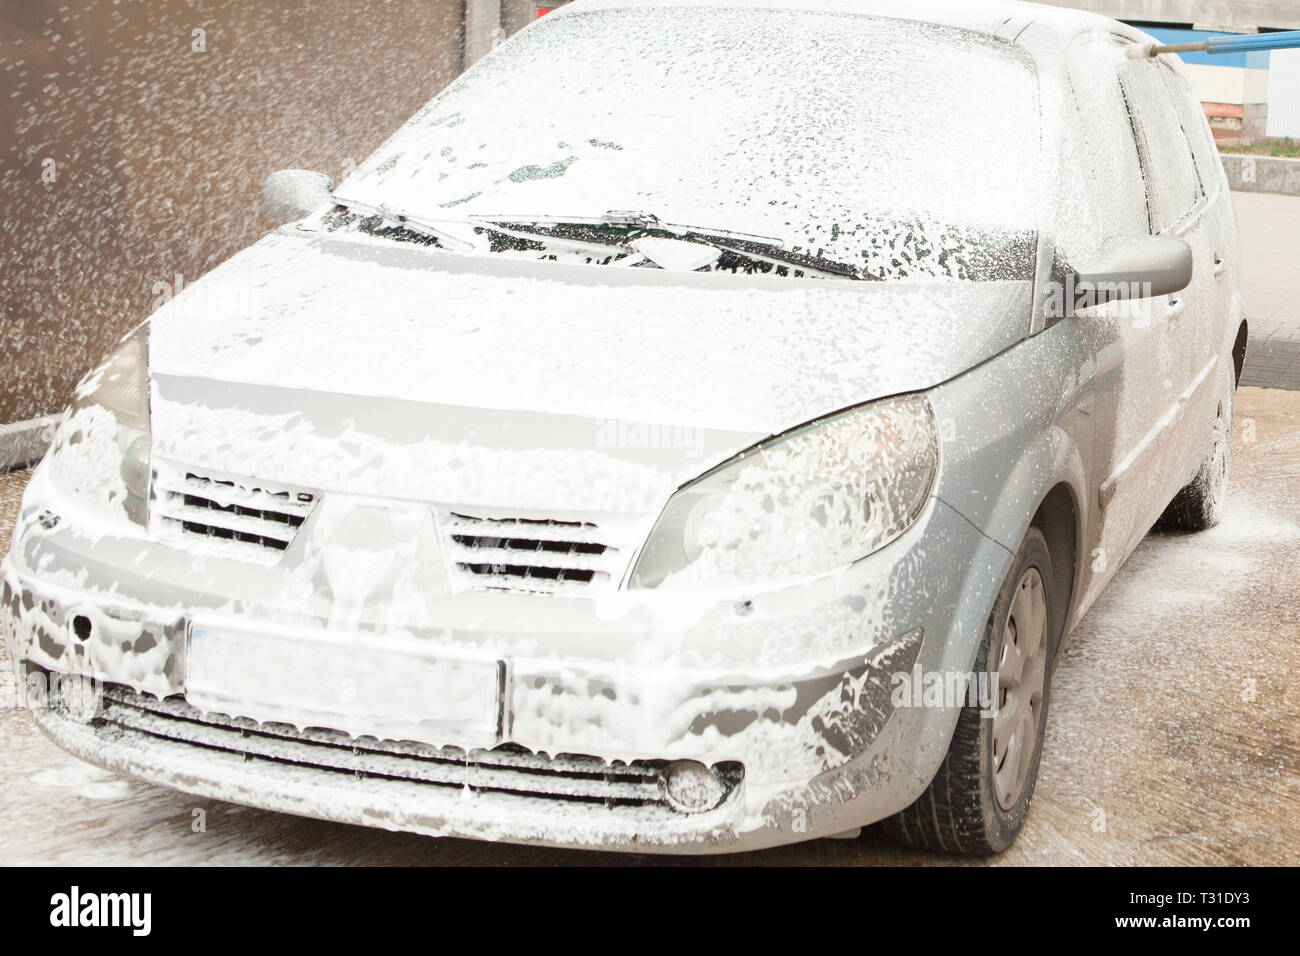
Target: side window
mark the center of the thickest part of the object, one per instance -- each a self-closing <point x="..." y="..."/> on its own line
<point x="1197" y="129"/>
<point x="1173" y="187"/>
<point x="1103" y="194"/>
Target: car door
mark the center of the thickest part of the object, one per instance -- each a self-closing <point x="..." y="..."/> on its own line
<point x="1160" y="382"/>
<point x="1138" y="369"/>
<point x="1217" y="227"/>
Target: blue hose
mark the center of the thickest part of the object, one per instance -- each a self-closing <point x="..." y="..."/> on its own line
<point x="1254" y="42"/>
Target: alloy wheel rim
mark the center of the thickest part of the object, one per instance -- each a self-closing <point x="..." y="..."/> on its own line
<point x="1021" y="678"/>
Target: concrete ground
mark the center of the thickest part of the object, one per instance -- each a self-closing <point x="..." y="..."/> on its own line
<point x="1172" y="737"/>
<point x="1270" y="246"/>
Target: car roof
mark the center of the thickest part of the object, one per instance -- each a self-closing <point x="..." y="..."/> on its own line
<point x="1043" y="31"/>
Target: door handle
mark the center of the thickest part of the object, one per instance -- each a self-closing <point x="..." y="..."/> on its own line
<point x="1220" y="267"/>
<point x="1176" y="308"/>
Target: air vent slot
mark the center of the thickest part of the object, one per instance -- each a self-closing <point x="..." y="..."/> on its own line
<point x="529" y="554"/>
<point x="229" y="513"/>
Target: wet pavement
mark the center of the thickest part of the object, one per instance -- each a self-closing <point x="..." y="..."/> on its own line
<point x="1172" y="737"/>
<point x="1270" y="249"/>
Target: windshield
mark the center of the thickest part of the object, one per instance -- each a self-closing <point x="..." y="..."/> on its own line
<point x="896" y="148"/>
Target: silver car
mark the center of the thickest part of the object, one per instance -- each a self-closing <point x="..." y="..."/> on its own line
<point x="697" y="429"/>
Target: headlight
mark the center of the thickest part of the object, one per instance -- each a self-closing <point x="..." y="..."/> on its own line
<point x="101" y="454"/>
<point x="801" y="504"/>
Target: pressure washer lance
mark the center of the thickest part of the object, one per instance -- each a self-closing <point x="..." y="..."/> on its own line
<point x="1247" y="43"/>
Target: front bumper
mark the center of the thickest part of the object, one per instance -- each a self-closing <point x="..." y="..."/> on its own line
<point x="793" y="688"/>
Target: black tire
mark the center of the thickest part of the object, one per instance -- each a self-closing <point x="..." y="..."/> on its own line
<point x="960" y="811"/>
<point x="1199" y="505"/>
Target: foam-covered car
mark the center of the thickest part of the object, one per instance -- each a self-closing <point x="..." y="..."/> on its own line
<point x="695" y="430"/>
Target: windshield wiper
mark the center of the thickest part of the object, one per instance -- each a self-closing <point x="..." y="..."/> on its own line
<point x="780" y="256"/>
<point x="619" y="228"/>
<point x="372" y="219"/>
<point x="616" y="231"/>
<point x="520" y="237"/>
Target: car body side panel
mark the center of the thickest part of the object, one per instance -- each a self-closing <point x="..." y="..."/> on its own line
<point x="1017" y="426"/>
<point x="1110" y="402"/>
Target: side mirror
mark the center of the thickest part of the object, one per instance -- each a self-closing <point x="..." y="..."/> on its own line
<point x="290" y="194"/>
<point x="1131" y="268"/>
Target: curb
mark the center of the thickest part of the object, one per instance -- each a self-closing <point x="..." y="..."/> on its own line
<point x="22" y="443"/>
<point x="1262" y="174"/>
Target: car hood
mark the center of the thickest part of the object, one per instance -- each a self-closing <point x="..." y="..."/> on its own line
<point x="363" y="365"/>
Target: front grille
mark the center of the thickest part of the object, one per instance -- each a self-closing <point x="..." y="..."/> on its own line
<point x="507" y="769"/>
<point x="529" y="554"/>
<point x="225" y="511"/>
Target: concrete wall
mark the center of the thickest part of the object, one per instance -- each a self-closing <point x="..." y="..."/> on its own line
<point x="133" y="149"/>
<point x="484" y="27"/>
<point x="1263" y="174"/>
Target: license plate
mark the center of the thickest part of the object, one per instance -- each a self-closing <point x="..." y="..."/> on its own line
<point x="344" y="684"/>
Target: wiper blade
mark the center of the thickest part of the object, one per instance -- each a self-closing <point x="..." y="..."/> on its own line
<point x="386" y="213"/>
<point x="544" y="239"/>
<point x="780" y="256"/>
<point x="646" y="220"/>
<point x="626" y="219"/>
<point x="633" y="225"/>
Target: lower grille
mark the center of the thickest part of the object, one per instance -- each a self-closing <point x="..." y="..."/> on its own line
<point x="529" y="554"/>
<point x="228" y="511"/>
<point x="506" y="770"/>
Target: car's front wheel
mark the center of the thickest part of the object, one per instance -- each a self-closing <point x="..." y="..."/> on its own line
<point x="978" y="800"/>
